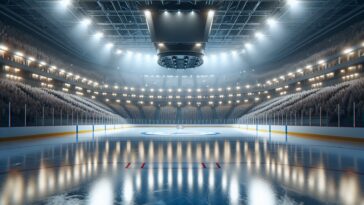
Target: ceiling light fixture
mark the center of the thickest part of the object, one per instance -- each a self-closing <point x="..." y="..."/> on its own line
<point x="86" y="22"/>
<point x="109" y="45"/>
<point x="99" y="35"/>
<point x="271" y="21"/>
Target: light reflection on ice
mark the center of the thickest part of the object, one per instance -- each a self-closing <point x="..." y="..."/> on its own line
<point x="258" y="163"/>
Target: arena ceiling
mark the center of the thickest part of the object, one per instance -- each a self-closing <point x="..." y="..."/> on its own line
<point x="235" y="21"/>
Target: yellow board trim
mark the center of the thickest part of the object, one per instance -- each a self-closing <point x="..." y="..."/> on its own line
<point x="326" y="137"/>
<point x="314" y="136"/>
<point x="50" y="135"/>
<point x="36" y="136"/>
<point x="296" y="134"/>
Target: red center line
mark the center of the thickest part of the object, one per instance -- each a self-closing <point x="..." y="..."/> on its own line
<point x="142" y="167"/>
<point x="128" y="165"/>
<point x="218" y="165"/>
<point x="203" y="165"/>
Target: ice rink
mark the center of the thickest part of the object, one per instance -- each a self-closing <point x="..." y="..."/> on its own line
<point x="180" y="165"/>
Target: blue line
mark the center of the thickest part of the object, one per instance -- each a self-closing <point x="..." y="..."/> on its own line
<point x="286" y="128"/>
<point x="77" y="133"/>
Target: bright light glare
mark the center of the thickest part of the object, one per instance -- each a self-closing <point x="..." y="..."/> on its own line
<point x="101" y="193"/>
<point x="292" y="2"/>
<point x="160" y="44"/>
<point x="211" y="13"/>
<point x="65" y="3"/>
<point x="148" y="56"/>
<point x="147" y="13"/>
<point x="259" y="35"/>
<point x="3" y="47"/>
<point x="99" y="35"/>
<point x="234" y="190"/>
<point x="271" y="22"/>
<point x="260" y="192"/>
<point x="128" y="190"/>
<point x="234" y="52"/>
<point x="109" y="45"/>
<point x="321" y="62"/>
<point x="118" y="51"/>
<point x="18" y="53"/>
<point x="248" y="45"/>
<point x="213" y="56"/>
<point x="348" y="51"/>
<point x="198" y="44"/>
<point x="86" y="22"/>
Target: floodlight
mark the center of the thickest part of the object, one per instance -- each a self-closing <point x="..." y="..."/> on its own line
<point x="65" y="3"/>
<point x="86" y="22"/>
<point x="109" y="45"/>
<point x="271" y="22"/>
<point x="99" y="34"/>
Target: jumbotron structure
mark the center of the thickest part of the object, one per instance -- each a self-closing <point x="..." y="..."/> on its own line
<point x="179" y="36"/>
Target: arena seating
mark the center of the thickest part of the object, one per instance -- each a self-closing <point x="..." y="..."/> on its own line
<point x="328" y="98"/>
<point x="51" y="101"/>
<point x="222" y="111"/>
<point x="149" y="111"/>
<point x="134" y="111"/>
<point x="168" y="113"/>
<point x="206" y="112"/>
<point x="189" y="113"/>
<point x="239" y="110"/>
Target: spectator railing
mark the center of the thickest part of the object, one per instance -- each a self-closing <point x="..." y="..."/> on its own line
<point x="15" y="116"/>
<point x="339" y="117"/>
<point x="182" y="121"/>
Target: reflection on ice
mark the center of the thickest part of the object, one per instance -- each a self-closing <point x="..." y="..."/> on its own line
<point x="141" y="151"/>
<point x="207" y="152"/>
<point x="211" y="179"/>
<point x="234" y="193"/>
<point x="150" y="179"/>
<point x="216" y="151"/>
<point x="138" y="181"/>
<point x="179" y="176"/>
<point x="160" y="175"/>
<point x="200" y="178"/>
<point x="128" y="190"/>
<point x="101" y="192"/>
<point x="249" y="173"/>
<point x="224" y="180"/>
<point x="260" y="192"/>
<point x="190" y="177"/>
<point x="349" y="189"/>
<point x="170" y="176"/>
<point x="13" y="189"/>
<point x="169" y="152"/>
